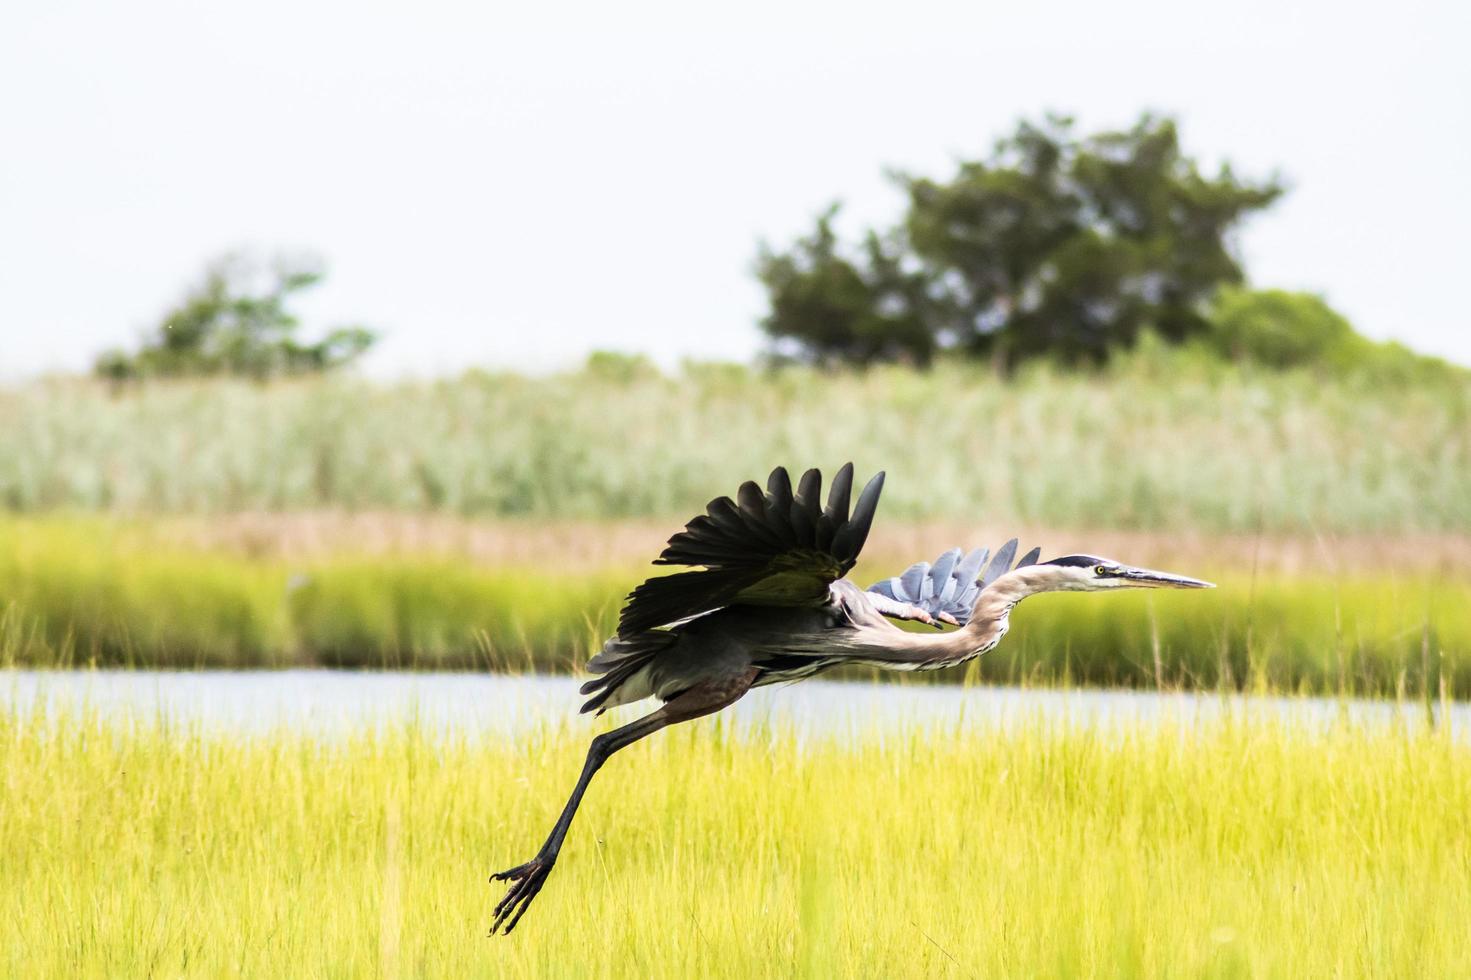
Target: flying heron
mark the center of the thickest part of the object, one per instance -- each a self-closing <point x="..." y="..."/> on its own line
<point x="767" y="602"/>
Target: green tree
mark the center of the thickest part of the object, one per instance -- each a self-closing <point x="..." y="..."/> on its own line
<point x="828" y="307"/>
<point x="235" y="321"/>
<point x="1054" y="244"/>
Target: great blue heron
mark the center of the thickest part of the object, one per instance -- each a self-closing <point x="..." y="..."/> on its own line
<point x="768" y="603"/>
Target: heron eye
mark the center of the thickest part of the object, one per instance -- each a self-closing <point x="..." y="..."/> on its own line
<point x="1100" y="570"/>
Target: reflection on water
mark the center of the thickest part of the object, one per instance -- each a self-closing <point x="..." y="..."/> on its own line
<point x="329" y="703"/>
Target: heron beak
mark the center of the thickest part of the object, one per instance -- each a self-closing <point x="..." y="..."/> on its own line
<point x="1146" y="578"/>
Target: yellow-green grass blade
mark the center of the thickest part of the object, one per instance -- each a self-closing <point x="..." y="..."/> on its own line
<point x="1230" y="849"/>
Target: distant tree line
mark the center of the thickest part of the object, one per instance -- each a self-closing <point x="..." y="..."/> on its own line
<point x="1056" y="244"/>
<point x="235" y="321"/>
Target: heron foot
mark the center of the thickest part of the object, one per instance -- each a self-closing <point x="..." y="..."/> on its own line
<point x="526" y="880"/>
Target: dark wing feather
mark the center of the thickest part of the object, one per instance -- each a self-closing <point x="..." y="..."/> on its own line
<point x="771" y="549"/>
<point x="953" y="583"/>
<point x="849" y="539"/>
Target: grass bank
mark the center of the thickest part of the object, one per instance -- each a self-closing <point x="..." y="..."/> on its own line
<point x="1236" y="850"/>
<point x="1159" y="440"/>
<point x="86" y="591"/>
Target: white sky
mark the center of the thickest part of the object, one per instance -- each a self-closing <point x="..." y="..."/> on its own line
<point x="499" y="185"/>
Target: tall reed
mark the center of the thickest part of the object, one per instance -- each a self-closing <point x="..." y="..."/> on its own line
<point x="1157" y="441"/>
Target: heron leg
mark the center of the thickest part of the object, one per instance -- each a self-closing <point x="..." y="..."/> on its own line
<point x="527" y="879"/>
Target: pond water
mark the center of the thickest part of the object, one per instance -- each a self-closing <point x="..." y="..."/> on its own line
<point x="334" y="703"/>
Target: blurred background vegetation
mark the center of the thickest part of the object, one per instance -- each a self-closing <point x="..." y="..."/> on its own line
<point x="1059" y="338"/>
<point x="234" y="322"/>
<point x="1060" y="247"/>
<point x="1159" y="438"/>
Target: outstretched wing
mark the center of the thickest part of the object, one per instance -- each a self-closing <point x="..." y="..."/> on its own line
<point x="948" y="589"/>
<point x="772" y="549"/>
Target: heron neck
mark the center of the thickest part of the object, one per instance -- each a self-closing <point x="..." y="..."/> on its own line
<point x="987" y="625"/>
<point x="989" y="617"/>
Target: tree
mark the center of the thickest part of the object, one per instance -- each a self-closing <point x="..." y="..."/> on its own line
<point x="235" y="322"/>
<point x="1054" y="244"/>
<point x="826" y="307"/>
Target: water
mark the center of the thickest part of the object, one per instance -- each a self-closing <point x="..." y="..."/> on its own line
<point x="335" y="703"/>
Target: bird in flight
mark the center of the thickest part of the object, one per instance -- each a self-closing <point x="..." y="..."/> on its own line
<point x="765" y="600"/>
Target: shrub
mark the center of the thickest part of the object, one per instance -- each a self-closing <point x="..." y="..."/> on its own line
<point x="1281" y="329"/>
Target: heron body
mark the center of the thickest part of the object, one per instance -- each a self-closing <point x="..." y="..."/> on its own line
<point x="766" y="601"/>
<point x="787" y="645"/>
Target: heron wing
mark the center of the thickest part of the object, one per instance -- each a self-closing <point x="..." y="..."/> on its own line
<point x="777" y="548"/>
<point x="953" y="583"/>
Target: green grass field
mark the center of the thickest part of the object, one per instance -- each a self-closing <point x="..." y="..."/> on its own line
<point x="92" y="591"/>
<point x="1159" y="440"/>
<point x="1233" y="850"/>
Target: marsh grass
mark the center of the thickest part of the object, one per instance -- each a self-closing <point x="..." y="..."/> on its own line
<point x="1159" y="440"/>
<point x="85" y="591"/>
<point x="1231" y="849"/>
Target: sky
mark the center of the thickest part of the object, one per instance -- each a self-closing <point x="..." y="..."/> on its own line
<point x="516" y="185"/>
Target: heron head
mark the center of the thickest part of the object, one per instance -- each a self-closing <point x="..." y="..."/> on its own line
<point x="1089" y="573"/>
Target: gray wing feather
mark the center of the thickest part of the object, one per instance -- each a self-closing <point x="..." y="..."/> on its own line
<point x="970" y="567"/>
<point x="885" y="588"/>
<point x="953" y="583"/>
<point x="942" y="584"/>
<point x="1000" y="565"/>
<point x="910" y="581"/>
